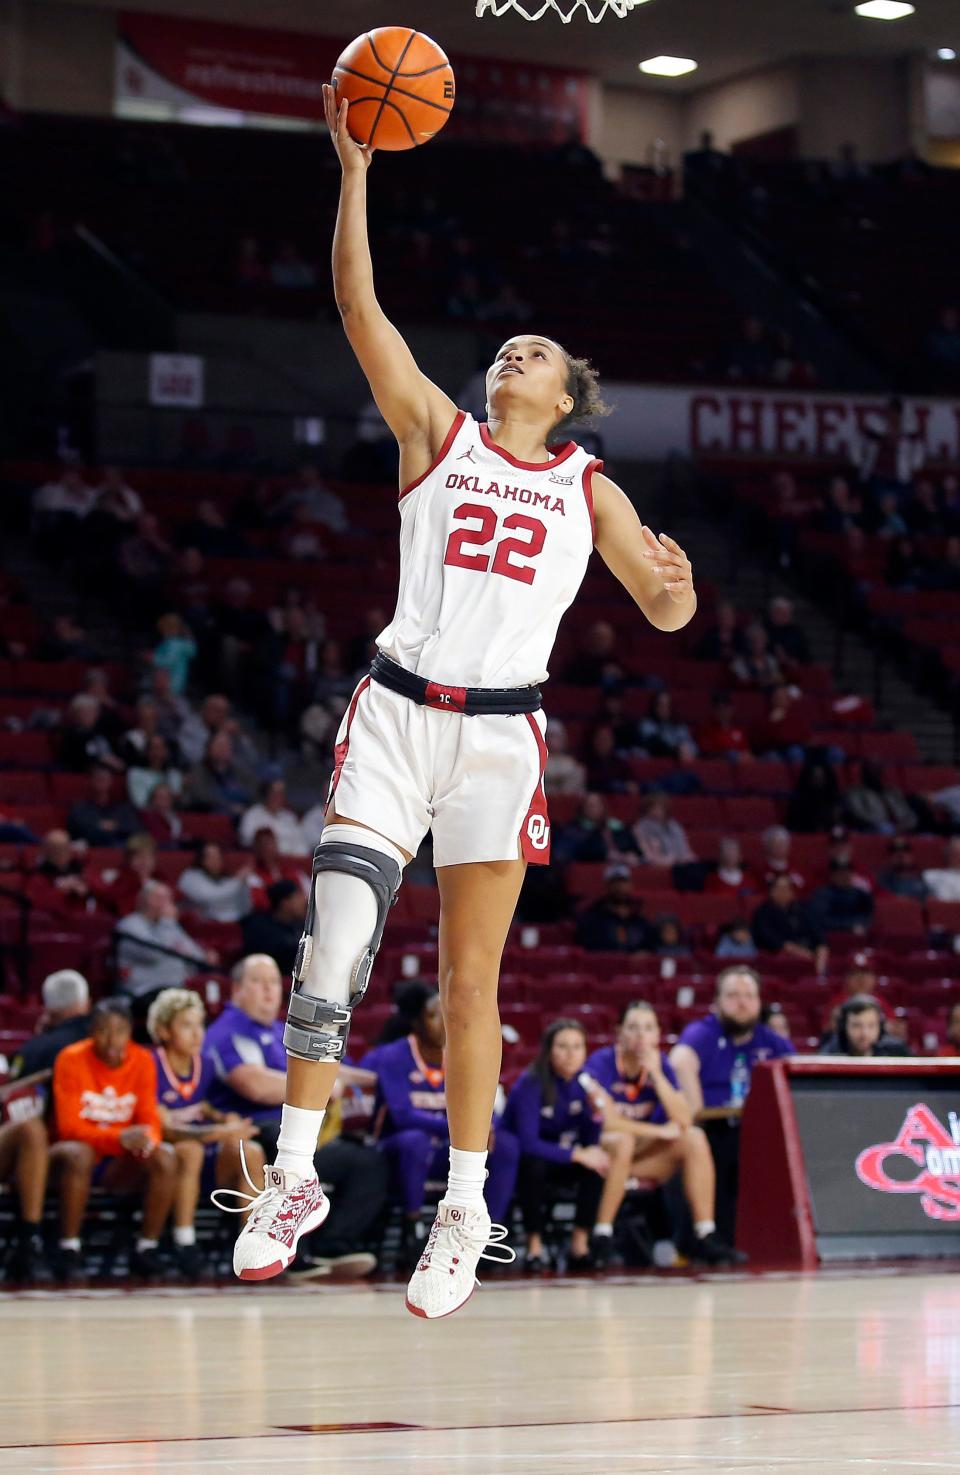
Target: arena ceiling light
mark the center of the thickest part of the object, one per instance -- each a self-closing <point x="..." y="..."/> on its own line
<point x="668" y="66"/>
<point x="884" y="9"/>
<point x="946" y="53"/>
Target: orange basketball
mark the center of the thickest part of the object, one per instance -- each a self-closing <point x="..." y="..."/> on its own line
<point x="399" y="85"/>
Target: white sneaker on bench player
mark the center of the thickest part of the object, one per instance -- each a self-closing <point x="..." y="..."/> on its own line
<point x="446" y="1276"/>
<point x="288" y="1208"/>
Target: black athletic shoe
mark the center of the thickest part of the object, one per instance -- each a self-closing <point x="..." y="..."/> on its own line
<point x="147" y="1265"/>
<point x="27" y="1262"/>
<point x="70" y="1267"/>
<point x="580" y="1264"/>
<point x="603" y="1252"/>
<point x="536" y="1264"/>
<point x="190" y="1261"/>
<point x="710" y="1250"/>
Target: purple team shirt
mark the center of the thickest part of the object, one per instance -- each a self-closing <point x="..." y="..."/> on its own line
<point x="637" y="1101"/>
<point x="404" y="1089"/>
<point x="717" y="1054"/>
<point x="550" y="1131"/>
<point x="236" y="1039"/>
<point x="184" y="1105"/>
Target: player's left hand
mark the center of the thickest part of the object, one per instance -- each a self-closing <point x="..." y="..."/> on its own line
<point x="670" y="563"/>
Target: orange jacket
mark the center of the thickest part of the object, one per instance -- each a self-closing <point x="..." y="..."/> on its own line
<point x="95" y="1103"/>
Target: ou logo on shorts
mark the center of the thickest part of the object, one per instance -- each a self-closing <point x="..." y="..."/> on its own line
<point x="538" y="832"/>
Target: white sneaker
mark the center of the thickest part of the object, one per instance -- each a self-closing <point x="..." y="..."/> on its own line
<point x="445" y="1278"/>
<point x="287" y="1208"/>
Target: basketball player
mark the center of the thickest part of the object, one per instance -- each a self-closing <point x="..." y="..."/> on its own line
<point x="447" y="732"/>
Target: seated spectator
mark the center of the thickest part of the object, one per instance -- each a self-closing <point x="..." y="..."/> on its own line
<point x="312" y="494"/>
<point x="815" y="802"/>
<point x="608" y="772"/>
<point x="563" y="774"/>
<point x="724" y="641"/>
<point x="207" y="1141"/>
<point x="65" y="1019"/>
<point x="272" y="813"/>
<point x="888" y="520"/>
<point x="648" y="1131"/>
<point x="153" y="951"/>
<point x="670" y="940"/>
<point x="211" y="535"/>
<point x="116" y="504"/>
<point x="661" y="735"/>
<point x="662" y="841"/>
<point x="58" y="510"/>
<point x="615" y="921"/>
<point x="173" y="712"/>
<point x="598" y="663"/>
<point x="777" y="1021"/>
<point x="100" y="819"/>
<point x="713" y="1061"/>
<point x="943" y="882"/>
<point x="736" y="940"/>
<point x="24" y="1165"/>
<point x="153" y="767"/>
<point x="550" y="1114"/>
<point x="784" y="731"/>
<point x="876" y="807"/>
<point x="901" y="876"/>
<point x="783" y="924"/>
<point x="276" y="932"/>
<point x="67" y="641"/>
<point x="268" y="867"/>
<point x="860" y="979"/>
<point x="143" y="559"/>
<point x="861" y="1031"/>
<point x="730" y="874"/>
<point x="85" y="742"/>
<point x="721" y="736"/>
<point x="841" y="905"/>
<point x="208" y="890"/>
<point x="415" y="1137"/>
<point x="757" y="666"/>
<point x="146" y="725"/>
<point x="220" y="784"/>
<point x="841" y="511"/>
<point x="160" y="819"/>
<point x="108" y="1131"/>
<point x="119" y="891"/>
<point x="175" y="651"/>
<point x="593" y="836"/>
<point x="788" y="641"/>
<point x="13" y="831"/>
<point x="215" y="716"/>
<point x="59" y="883"/>
<point x="332" y="680"/>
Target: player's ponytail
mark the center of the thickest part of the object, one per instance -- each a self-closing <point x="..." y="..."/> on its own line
<point x="583" y="386"/>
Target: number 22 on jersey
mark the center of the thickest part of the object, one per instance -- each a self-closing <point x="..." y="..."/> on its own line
<point x="481" y="532"/>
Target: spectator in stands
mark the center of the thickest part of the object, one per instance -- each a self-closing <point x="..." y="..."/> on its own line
<point x="209" y="891"/>
<point x="942" y="348"/>
<point x="598" y="663"/>
<point x="59" y="883"/>
<point x="117" y="505"/>
<point x="67" y="641"/>
<point x="206" y="1141"/>
<point x="173" y="711"/>
<point x="58" y="508"/>
<point x="648" y="1131"/>
<point x="143" y="559"/>
<point x="101" y="819"/>
<point x="311" y="494"/>
<point x="564" y="774"/>
<point x="120" y="890"/>
<point x="724" y="641"/>
<point x="24" y="1162"/>
<point x="788" y="640"/>
<point x="220" y="784"/>
<point x="332" y="679"/>
<point x="713" y="1061"/>
<point x="272" y="813"/>
<point x="160" y="818"/>
<point x="777" y="1021"/>
<point x="414" y="1136"/>
<point x="877" y="807"/>
<point x="943" y="882"/>
<point x="721" y="736"/>
<point x="736" y="940"/>
<point x="238" y="629"/>
<point x="276" y="932"/>
<point x="290" y="272"/>
<point x="839" y="848"/>
<point x="175" y="651"/>
<point x="860" y="979"/>
<point x="670" y="940"/>
<point x="841" y="511"/>
<point x="215" y="716"/>
<point x="730" y="874"/>
<point x="615" y="921"/>
<point x="608" y="772"/>
<point x="210" y="534"/>
<point x="65" y="1019"/>
<point x="901" y="875"/>
<point x="153" y="951"/>
<point x="13" y="830"/>
<point x="594" y="836"/>
<point x="861" y="1031"/>
<point x="784" y="924"/>
<point x="108" y="1128"/>
<point x="784" y="731"/>
<point x="269" y="866"/>
<point x="550" y="1114"/>
<point x="662" y="840"/>
<point x="923" y="514"/>
<point x="757" y="666"/>
<point x="888" y="521"/>
<point x="154" y="767"/>
<point x="841" y="905"/>
<point x="85" y="742"/>
<point x="133" y="747"/>
<point x="661" y="735"/>
<point x="815" y="802"/>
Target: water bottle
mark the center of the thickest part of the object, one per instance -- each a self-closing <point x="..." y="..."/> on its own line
<point x="739" y="1081"/>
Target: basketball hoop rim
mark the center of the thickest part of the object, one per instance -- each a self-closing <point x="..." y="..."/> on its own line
<point x="594" y="10"/>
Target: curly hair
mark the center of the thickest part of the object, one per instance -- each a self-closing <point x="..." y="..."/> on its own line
<point x="167" y="1005"/>
<point x="583" y="385"/>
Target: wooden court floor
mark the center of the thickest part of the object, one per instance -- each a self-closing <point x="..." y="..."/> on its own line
<point x="833" y="1373"/>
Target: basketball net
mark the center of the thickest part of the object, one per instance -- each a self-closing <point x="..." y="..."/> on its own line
<point x="595" y="10"/>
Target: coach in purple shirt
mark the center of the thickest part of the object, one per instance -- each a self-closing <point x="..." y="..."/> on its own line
<point x="713" y="1060"/>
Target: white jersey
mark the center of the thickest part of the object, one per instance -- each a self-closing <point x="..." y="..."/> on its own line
<point x="492" y="552"/>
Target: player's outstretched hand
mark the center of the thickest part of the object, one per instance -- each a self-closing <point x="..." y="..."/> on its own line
<point x="353" y="156"/>
<point x="669" y="561"/>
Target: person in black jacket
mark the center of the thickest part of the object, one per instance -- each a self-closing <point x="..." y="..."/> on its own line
<point x="615" y="921"/>
<point x="65" y="1019"/>
<point x="277" y="932"/>
<point x="862" y="1031"/>
<point x="783" y="924"/>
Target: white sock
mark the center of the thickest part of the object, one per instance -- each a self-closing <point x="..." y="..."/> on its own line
<point x="145" y="1244"/>
<point x="299" y="1130"/>
<point x="184" y="1235"/>
<point x="70" y="1244"/>
<point x="703" y="1227"/>
<point x="468" y="1173"/>
<point x="603" y="1231"/>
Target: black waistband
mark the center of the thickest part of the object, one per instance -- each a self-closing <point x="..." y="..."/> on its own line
<point x="472" y="701"/>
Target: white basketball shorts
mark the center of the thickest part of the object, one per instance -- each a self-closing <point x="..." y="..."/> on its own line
<point x="476" y="782"/>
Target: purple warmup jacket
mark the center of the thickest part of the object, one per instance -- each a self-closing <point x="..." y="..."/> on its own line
<point x="640" y="1103"/>
<point x="550" y="1131"/>
<point x="406" y="1093"/>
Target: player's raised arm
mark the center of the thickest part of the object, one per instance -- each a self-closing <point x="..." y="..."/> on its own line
<point x="655" y="572"/>
<point x="418" y="413"/>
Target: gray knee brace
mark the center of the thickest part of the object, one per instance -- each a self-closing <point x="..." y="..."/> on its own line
<point x="351" y="892"/>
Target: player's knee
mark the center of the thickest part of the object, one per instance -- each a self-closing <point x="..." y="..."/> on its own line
<point x="696" y="1140"/>
<point x="189" y="1157"/>
<point x="76" y="1159"/>
<point x="162" y="1162"/>
<point x="619" y="1146"/>
<point x="465" y="988"/>
<point x="33" y="1134"/>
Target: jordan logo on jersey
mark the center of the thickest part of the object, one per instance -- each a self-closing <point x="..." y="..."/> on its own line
<point x="468" y="456"/>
